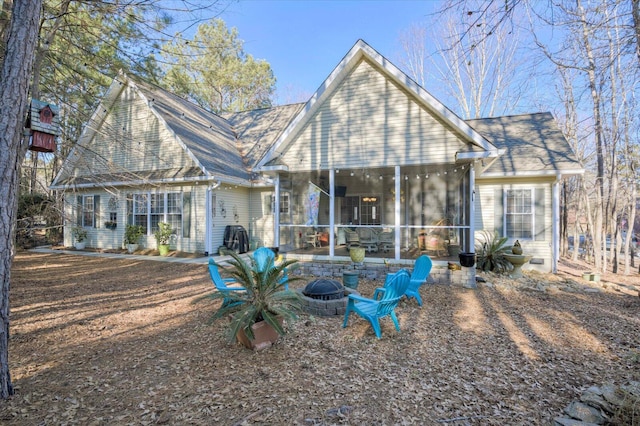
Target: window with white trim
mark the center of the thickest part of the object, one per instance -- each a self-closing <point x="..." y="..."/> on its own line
<point x="148" y="209"/>
<point x="519" y="213"/>
<point x="88" y="211"/>
<point x="140" y="210"/>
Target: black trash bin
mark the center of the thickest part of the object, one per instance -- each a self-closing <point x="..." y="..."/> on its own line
<point x="236" y="238"/>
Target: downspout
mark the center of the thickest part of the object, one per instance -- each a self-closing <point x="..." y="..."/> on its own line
<point x="472" y="210"/>
<point x="555" y="224"/>
<point x="208" y="229"/>
<point x="397" y="214"/>
<point x="332" y="202"/>
<point x="276" y="211"/>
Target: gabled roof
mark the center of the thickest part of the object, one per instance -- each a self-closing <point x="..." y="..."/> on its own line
<point x="359" y="51"/>
<point x="209" y="138"/>
<point x="258" y="129"/>
<point x="533" y="146"/>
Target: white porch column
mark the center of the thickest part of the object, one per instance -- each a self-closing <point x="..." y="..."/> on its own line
<point x="555" y="225"/>
<point x="208" y="225"/>
<point x="276" y="211"/>
<point x="332" y="202"/>
<point x="472" y="210"/>
<point x="397" y="214"/>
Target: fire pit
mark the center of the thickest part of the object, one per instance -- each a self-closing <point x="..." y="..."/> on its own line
<point x="324" y="289"/>
<point x="324" y="297"/>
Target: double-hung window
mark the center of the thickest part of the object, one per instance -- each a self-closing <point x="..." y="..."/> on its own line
<point x="88" y="207"/>
<point x="519" y="213"/>
<point x="140" y="210"/>
<point x="88" y="211"/>
<point x="148" y="209"/>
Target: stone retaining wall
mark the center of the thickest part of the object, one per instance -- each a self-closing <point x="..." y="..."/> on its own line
<point x="440" y="274"/>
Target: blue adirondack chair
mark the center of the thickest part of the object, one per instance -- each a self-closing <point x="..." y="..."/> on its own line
<point x="421" y="270"/>
<point x="264" y="258"/>
<point x="222" y="283"/>
<point x="372" y="310"/>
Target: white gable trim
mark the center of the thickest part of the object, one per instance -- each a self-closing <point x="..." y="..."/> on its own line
<point x="352" y="58"/>
<point x="97" y="118"/>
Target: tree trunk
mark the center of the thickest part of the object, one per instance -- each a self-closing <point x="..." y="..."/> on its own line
<point x="635" y="11"/>
<point x="598" y="230"/>
<point x="14" y="99"/>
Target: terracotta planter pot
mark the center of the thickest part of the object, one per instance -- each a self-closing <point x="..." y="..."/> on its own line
<point x="264" y="334"/>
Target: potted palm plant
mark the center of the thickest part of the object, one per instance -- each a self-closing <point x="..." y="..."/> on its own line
<point x="163" y="237"/>
<point x="80" y="237"/>
<point x="132" y="236"/>
<point x="256" y="315"/>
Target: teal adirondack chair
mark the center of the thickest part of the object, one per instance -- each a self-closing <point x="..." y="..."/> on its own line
<point x="222" y="283"/>
<point x="421" y="270"/>
<point x="264" y="258"/>
<point x="372" y="310"/>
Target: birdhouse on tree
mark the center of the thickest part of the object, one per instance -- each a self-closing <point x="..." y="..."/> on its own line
<point x="44" y="125"/>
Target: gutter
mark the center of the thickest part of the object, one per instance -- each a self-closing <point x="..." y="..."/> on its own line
<point x="241" y="182"/>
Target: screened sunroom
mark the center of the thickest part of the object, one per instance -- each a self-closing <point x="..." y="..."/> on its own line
<point x="394" y="212"/>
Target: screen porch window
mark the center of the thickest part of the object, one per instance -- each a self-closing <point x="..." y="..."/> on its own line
<point x="519" y="213"/>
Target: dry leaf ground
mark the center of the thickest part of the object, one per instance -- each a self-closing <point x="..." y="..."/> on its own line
<point x="99" y="341"/>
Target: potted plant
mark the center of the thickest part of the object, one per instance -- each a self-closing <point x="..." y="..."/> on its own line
<point x="110" y="224"/>
<point x="163" y="237"/>
<point x="80" y="237"/>
<point x="132" y="235"/>
<point x="256" y="315"/>
<point x="357" y="254"/>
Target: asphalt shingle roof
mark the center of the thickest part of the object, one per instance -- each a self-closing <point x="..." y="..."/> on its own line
<point x="533" y="144"/>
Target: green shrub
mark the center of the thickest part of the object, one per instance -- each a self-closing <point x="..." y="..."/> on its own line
<point x="490" y="249"/>
<point x="133" y="233"/>
<point x="264" y="298"/>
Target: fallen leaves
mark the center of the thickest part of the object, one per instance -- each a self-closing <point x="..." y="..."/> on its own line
<point x="98" y="341"/>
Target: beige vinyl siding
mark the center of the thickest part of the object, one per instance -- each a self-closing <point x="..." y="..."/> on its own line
<point x="101" y="237"/>
<point x="131" y="139"/>
<point x="235" y="201"/>
<point x="261" y="217"/>
<point x="371" y="120"/>
<point x="485" y="219"/>
<point x="196" y="241"/>
<point x="98" y="236"/>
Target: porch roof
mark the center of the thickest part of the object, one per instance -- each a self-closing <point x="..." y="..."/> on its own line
<point x="533" y="146"/>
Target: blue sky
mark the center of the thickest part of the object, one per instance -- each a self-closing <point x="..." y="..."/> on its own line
<point x="304" y="40"/>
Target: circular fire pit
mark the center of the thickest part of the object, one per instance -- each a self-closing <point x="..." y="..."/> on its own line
<point x="324" y="297"/>
<point x="324" y="289"/>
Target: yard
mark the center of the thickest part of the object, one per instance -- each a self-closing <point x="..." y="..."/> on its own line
<point x="100" y="341"/>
